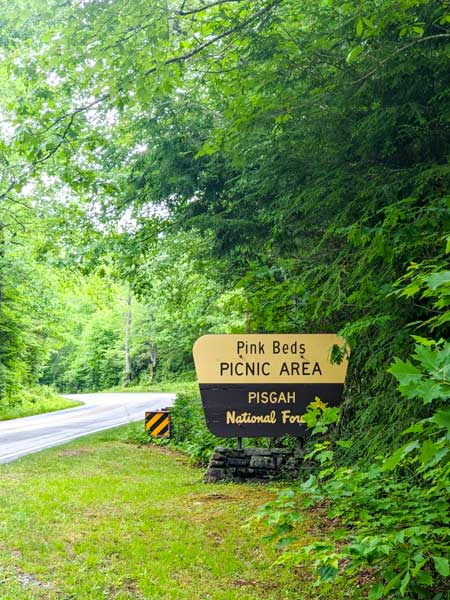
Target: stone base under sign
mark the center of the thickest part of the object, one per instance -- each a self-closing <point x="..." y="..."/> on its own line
<point x="254" y="464"/>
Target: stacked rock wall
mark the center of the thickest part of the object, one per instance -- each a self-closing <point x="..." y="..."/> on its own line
<point x="254" y="464"/>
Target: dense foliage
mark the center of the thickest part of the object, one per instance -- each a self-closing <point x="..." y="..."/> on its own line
<point x="394" y="511"/>
<point x="30" y="314"/>
<point x="305" y="145"/>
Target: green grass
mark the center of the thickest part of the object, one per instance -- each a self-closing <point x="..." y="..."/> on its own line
<point x="35" y="401"/>
<point x="102" y="519"/>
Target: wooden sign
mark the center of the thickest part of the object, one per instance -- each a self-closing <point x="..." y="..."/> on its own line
<point x="157" y="424"/>
<point x="256" y="385"/>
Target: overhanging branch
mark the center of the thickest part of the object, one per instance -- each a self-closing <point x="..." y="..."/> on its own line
<point x="193" y="11"/>
<point x="399" y="51"/>
<point x="71" y="116"/>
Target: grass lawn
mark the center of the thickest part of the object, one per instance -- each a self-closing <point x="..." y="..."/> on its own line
<point x="102" y="519"/>
<point x="36" y="401"/>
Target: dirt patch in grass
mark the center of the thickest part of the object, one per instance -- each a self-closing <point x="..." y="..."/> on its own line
<point x="183" y="458"/>
<point x="212" y="497"/>
<point x="128" y="586"/>
<point x="28" y="579"/>
<point x="244" y="583"/>
<point x="77" y="452"/>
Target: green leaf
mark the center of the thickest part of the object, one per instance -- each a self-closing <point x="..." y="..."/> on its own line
<point x="327" y="573"/>
<point x="392" y="461"/>
<point x="344" y="443"/>
<point x="405" y="372"/>
<point x="354" y="53"/>
<point x="441" y="565"/>
<point x="405" y="581"/>
<point x="424" y="578"/>
<point x="424" y="341"/>
<point x="393" y="583"/>
<point x="429" y="390"/>
<point x="428" y="357"/>
<point x="442" y="418"/>
<point x="435" y="280"/>
<point x="359" y="27"/>
<point x="330" y="415"/>
<point x="376" y="591"/>
<point x="415" y="428"/>
<point x="368" y="23"/>
<point x="286" y="541"/>
<point x="427" y="451"/>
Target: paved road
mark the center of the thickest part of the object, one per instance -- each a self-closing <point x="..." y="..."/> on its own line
<point x="100" y="411"/>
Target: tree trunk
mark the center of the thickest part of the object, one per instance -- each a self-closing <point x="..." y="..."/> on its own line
<point x="153" y="361"/>
<point x="128" y="322"/>
<point x="248" y="321"/>
<point x="2" y="257"/>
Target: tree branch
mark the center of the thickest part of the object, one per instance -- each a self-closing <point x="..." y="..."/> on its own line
<point x="71" y="116"/>
<point x="399" y="51"/>
<point x="185" y="13"/>
<point x="226" y="33"/>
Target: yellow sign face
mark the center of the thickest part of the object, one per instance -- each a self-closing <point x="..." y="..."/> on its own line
<point x="256" y="385"/>
<point x="268" y="358"/>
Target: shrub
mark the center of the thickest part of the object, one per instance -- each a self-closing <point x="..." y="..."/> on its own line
<point x="188" y="430"/>
<point x="394" y="512"/>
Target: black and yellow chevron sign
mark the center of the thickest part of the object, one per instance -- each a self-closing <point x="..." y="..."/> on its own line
<point x="157" y="424"/>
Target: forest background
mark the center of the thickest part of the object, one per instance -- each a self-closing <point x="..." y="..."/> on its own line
<point x="278" y="165"/>
<point x="174" y="168"/>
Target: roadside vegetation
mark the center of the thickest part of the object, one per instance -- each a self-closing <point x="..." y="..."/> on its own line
<point x="176" y="386"/>
<point x="34" y="401"/>
<point x="189" y="433"/>
<point x="392" y="512"/>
